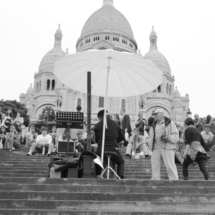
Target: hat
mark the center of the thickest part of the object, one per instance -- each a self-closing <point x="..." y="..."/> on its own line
<point x="158" y="111"/>
<point x="101" y="113"/>
<point x="153" y="112"/>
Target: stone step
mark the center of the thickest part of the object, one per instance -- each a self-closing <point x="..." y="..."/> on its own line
<point x="127" y="175"/>
<point x="165" y="177"/>
<point x="24" y="175"/>
<point x="111" y="182"/>
<point x="105" y="189"/>
<point x="138" y="171"/>
<point x="86" y="196"/>
<point x="87" y="212"/>
<point x="111" y="206"/>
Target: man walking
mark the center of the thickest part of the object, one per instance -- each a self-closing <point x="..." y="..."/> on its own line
<point x="163" y="137"/>
<point x="125" y="124"/>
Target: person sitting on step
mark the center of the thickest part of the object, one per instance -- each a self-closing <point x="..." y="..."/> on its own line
<point x="12" y="139"/>
<point x="54" y="135"/>
<point x="80" y="143"/>
<point x="18" y="122"/>
<point x="43" y="141"/>
<point x="132" y="143"/>
<point x="207" y="136"/>
<point x="145" y="138"/>
<point x="94" y="145"/>
<point x="180" y="146"/>
<point x="137" y="142"/>
<point x="3" y="135"/>
<point x="31" y="136"/>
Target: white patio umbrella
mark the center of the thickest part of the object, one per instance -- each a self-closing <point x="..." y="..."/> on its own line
<point x="113" y="74"/>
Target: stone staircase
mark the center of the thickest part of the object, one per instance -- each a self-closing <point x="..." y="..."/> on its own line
<point x="26" y="190"/>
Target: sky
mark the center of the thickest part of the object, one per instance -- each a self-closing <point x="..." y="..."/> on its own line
<point x="185" y="30"/>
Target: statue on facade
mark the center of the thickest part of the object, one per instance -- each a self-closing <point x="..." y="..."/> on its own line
<point x="59" y="99"/>
<point x="47" y="116"/>
<point x="142" y="102"/>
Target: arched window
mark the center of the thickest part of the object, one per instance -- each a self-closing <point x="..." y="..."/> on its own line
<point x="48" y="85"/>
<point x="40" y="85"/>
<point x="123" y="104"/>
<point x="159" y="89"/>
<point x="101" y="102"/>
<point x="102" y="48"/>
<point x="53" y="84"/>
<point x="79" y="102"/>
<point x="170" y="90"/>
<point x="167" y="89"/>
<point x="37" y="89"/>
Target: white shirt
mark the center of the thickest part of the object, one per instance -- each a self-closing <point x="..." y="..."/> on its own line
<point x="44" y="139"/>
<point x="206" y="137"/>
<point x="159" y="132"/>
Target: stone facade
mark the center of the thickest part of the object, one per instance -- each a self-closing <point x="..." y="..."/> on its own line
<point x="107" y="28"/>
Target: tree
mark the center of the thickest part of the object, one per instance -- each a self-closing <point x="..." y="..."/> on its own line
<point x="16" y="107"/>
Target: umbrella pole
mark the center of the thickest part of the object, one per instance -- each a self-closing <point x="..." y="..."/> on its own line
<point x="89" y="111"/>
<point x="105" y="114"/>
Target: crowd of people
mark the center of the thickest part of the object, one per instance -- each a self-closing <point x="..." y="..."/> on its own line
<point x="158" y="138"/>
<point x="10" y="129"/>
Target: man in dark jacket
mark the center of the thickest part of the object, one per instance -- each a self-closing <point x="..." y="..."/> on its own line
<point x="113" y="135"/>
<point x="125" y="124"/>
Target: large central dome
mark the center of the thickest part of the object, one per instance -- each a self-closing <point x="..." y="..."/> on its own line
<point x="107" y="19"/>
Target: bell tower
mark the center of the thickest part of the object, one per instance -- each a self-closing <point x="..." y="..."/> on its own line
<point x="153" y="39"/>
<point x="58" y="37"/>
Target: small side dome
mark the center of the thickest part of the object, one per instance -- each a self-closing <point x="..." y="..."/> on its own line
<point x="159" y="59"/>
<point x="22" y="95"/>
<point x="154" y="55"/>
<point x="176" y="93"/>
<point x="30" y="90"/>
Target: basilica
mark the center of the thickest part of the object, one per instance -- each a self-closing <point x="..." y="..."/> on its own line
<point x="106" y="28"/>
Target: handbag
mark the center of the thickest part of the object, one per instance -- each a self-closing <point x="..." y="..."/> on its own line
<point x="206" y="148"/>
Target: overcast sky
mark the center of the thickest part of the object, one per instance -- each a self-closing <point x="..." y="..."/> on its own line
<point x="185" y="29"/>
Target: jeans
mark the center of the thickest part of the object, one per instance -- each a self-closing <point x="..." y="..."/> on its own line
<point x="202" y="166"/>
<point x="116" y="159"/>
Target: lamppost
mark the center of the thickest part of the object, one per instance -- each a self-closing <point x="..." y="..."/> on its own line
<point x="189" y="113"/>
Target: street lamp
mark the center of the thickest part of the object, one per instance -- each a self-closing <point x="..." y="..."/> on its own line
<point x="189" y="113"/>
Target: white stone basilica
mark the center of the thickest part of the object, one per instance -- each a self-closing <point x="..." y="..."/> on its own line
<point x="107" y="28"/>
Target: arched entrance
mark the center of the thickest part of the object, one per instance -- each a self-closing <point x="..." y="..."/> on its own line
<point x="166" y="110"/>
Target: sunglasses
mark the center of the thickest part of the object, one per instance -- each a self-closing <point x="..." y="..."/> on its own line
<point x="78" y="133"/>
